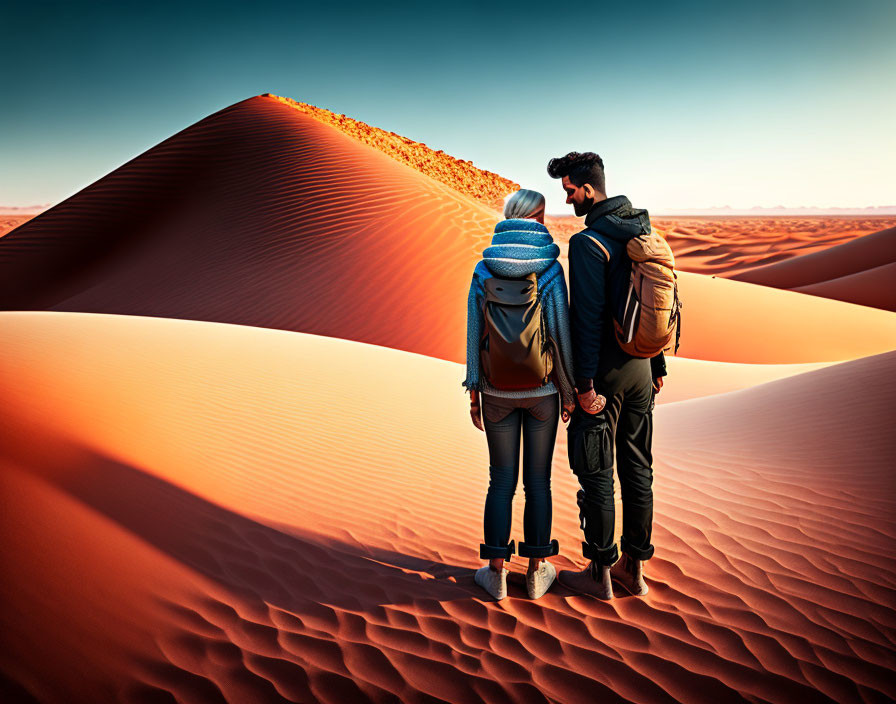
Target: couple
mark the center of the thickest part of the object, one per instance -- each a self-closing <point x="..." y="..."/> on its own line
<point x="534" y="356"/>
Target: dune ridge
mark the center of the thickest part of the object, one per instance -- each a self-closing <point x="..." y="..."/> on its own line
<point x="850" y="257"/>
<point x="860" y="271"/>
<point x="237" y="488"/>
<point x="872" y="287"/>
<point x="460" y="174"/>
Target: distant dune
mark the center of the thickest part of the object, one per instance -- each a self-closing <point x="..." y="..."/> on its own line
<point x="707" y="245"/>
<point x="10" y="221"/>
<point x="861" y="271"/>
<point x="851" y="257"/>
<point x="192" y="513"/>
<point x="873" y="287"/>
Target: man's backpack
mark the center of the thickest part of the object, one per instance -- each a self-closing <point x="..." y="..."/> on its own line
<point x="648" y="317"/>
<point x="514" y="350"/>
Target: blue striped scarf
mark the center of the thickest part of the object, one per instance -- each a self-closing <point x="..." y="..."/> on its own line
<point x="520" y="247"/>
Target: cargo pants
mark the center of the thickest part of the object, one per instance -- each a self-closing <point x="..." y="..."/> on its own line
<point x="624" y="430"/>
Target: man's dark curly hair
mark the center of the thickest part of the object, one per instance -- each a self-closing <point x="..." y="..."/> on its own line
<point x="582" y="168"/>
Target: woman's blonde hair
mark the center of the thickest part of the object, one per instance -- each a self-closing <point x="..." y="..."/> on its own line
<point x="524" y="204"/>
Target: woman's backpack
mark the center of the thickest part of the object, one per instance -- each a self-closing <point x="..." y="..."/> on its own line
<point x="514" y="350"/>
<point x="649" y="316"/>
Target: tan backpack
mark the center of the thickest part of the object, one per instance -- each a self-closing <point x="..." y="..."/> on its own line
<point x="649" y="317"/>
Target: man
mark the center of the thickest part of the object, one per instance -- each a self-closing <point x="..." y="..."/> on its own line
<point x="615" y="391"/>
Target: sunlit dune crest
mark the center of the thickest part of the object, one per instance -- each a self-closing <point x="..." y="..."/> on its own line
<point x="10" y="221"/>
<point x="198" y="518"/>
<point x="484" y="186"/>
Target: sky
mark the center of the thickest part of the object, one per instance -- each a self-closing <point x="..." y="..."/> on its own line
<point x="690" y="104"/>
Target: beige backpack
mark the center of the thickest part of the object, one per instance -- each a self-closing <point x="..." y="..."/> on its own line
<point x="649" y="317"/>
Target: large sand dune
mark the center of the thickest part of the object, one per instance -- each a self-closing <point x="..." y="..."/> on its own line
<point x="207" y="512"/>
<point x="261" y="215"/>
<point x="264" y="215"/>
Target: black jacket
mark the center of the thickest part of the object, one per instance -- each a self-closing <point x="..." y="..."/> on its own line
<point x="592" y="279"/>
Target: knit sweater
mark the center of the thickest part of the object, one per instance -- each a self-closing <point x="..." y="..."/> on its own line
<point x="520" y="247"/>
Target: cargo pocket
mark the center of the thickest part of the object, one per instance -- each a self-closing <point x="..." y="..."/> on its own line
<point x="591" y="449"/>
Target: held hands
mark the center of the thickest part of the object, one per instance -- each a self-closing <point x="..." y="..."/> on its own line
<point x="591" y="401"/>
<point x="566" y="412"/>
<point x="476" y="410"/>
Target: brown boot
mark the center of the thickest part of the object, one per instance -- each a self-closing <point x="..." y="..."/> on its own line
<point x="629" y="572"/>
<point x="593" y="580"/>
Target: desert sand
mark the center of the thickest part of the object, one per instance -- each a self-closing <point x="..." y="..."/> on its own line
<point x="845" y="258"/>
<point x="859" y="271"/>
<point x="10" y="221"/>
<point x="222" y="481"/>
<point x="196" y="502"/>
<point x="873" y="287"/>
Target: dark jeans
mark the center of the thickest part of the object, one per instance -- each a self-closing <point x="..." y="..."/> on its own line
<point x="626" y="425"/>
<point x="504" y="419"/>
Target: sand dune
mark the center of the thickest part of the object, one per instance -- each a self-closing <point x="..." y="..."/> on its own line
<point x="10" y="221"/>
<point x="851" y="257"/>
<point x="248" y="217"/>
<point x="732" y="321"/>
<point x="731" y="245"/>
<point x="693" y="378"/>
<point x="873" y="287"/>
<point x="487" y="187"/>
<point x="196" y="503"/>
<point x="245" y="218"/>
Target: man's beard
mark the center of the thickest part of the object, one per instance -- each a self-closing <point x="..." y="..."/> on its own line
<point x="585" y="206"/>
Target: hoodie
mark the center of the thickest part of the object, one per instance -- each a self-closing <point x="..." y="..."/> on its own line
<point x="597" y="271"/>
<point x="520" y="247"/>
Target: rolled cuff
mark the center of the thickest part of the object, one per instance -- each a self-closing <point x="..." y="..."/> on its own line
<point x="637" y="553"/>
<point x="487" y="552"/>
<point x="527" y="550"/>
<point x="600" y="556"/>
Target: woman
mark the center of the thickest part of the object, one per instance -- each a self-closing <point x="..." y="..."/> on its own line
<point x="521" y="247"/>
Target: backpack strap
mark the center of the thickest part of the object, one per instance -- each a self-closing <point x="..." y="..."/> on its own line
<point x="599" y="243"/>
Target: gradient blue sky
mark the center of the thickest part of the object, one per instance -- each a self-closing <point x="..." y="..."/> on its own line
<point x="690" y="104"/>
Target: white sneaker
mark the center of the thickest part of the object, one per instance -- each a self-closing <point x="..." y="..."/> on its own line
<point x="494" y="582"/>
<point x="539" y="581"/>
